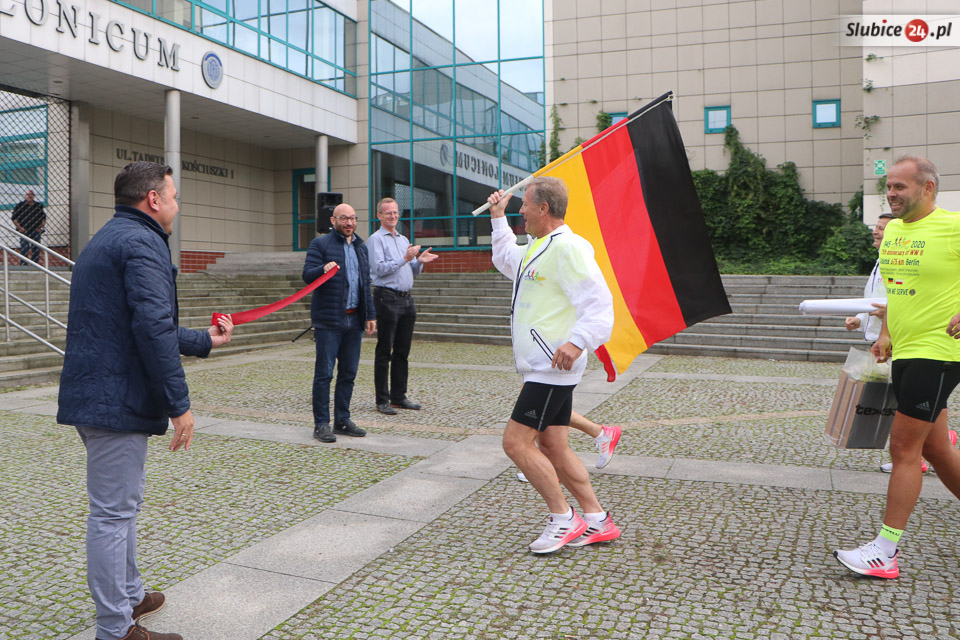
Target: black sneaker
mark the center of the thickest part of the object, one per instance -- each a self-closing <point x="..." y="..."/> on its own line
<point x="386" y="409"/>
<point x="406" y="404"/>
<point x="348" y="428"/>
<point x="322" y="433"/>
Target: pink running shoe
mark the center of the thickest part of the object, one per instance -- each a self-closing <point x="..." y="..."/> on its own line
<point x="869" y="560"/>
<point x="602" y="531"/>
<point x="607" y="443"/>
<point x="558" y="533"/>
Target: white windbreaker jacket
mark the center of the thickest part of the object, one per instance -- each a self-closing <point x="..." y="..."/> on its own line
<point x="558" y="296"/>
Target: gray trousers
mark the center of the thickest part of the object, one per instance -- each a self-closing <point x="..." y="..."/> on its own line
<point x="116" y="477"/>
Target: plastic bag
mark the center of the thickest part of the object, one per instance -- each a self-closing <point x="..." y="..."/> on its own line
<point x="863" y="367"/>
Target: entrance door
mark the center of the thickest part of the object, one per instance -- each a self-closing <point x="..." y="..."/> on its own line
<point x="304" y="208"/>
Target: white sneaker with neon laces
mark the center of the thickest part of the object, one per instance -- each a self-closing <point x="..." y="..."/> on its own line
<point x="869" y="560"/>
<point x="606" y="444"/>
<point x="559" y="531"/>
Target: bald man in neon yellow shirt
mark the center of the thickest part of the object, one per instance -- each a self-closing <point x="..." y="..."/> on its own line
<point x="920" y="264"/>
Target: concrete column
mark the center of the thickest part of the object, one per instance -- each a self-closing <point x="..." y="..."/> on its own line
<point x="81" y="114"/>
<point x="171" y="154"/>
<point x="322" y="163"/>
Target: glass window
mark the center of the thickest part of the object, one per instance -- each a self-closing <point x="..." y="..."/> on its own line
<point x="520" y="155"/>
<point x="716" y="119"/>
<point x="296" y="61"/>
<point x="143" y="5"/>
<point x="432" y="95"/>
<point x="177" y="11"/>
<point x="213" y="25"/>
<point x="476" y="26"/>
<point x="475" y="113"/>
<point x="325" y="34"/>
<point x="524" y="77"/>
<point x="277" y="18"/>
<point x="433" y="32"/>
<point x="273" y="50"/>
<point x="617" y="117"/>
<point x="521" y="28"/>
<point x="244" y="39"/>
<point x="390" y="173"/>
<point x="826" y="113"/>
<point x="298" y="27"/>
<point x="245" y="9"/>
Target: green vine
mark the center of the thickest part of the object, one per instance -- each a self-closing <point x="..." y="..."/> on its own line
<point x="864" y="123"/>
<point x="604" y="120"/>
<point x="760" y="221"/>
<point x="557" y="125"/>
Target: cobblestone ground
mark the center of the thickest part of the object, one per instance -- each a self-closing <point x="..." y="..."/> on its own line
<point x="766" y="440"/>
<point x="697" y="559"/>
<point x="457" y="402"/>
<point x="744" y="367"/>
<point x="201" y="507"/>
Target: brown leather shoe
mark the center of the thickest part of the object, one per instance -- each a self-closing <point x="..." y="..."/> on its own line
<point x="139" y="633"/>
<point x="151" y="603"/>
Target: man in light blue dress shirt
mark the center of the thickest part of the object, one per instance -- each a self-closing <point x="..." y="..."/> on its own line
<point x="393" y="264"/>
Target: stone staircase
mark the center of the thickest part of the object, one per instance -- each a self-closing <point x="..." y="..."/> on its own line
<point x="471" y="307"/>
<point x="765" y="322"/>
<point x="24" y="361"/>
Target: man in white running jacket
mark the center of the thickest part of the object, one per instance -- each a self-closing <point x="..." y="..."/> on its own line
<point x="561" y="310"/>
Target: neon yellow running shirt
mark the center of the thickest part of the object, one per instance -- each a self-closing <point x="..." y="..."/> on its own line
<point x="534" y="245"/>
<point x="920" y="263"/>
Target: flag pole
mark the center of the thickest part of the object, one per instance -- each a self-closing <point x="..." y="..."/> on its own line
<point x="578" y="150"/>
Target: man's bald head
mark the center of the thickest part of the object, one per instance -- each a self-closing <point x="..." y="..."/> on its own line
<point x="344" y="220"/>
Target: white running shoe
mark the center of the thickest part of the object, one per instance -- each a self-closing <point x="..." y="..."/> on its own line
<point x="606" y="444"/>
<point x="558" y="533"/>
<point x="521" y="477"/>
<point x="869" y="560"/>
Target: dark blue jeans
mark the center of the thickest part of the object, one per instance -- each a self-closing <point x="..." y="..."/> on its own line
<point x="343" y="347"/>
<point x="30" y="250"/>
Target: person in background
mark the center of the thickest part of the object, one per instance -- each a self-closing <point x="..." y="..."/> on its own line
<point x="30" y="219"/>
<point x="393" y="264"/>
<point x="341" y="310"/>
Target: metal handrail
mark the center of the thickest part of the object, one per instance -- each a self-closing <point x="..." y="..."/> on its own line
<point x="36" y="310"/>
<point x="8" y="253"/>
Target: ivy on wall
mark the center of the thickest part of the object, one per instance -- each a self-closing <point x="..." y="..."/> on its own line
<point x="760" y="221"/>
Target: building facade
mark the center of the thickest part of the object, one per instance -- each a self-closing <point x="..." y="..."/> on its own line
<point x="260" y="104"/>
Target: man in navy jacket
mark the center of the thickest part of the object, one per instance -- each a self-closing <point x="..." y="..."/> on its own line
<point x="123" y="381"/>
<point x="340" y="310"/>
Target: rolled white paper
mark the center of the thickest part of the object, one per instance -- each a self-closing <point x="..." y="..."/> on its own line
<point x="840" y="306"/>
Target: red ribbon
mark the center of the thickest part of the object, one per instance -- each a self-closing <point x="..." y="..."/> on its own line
<point x="255" y="314"/>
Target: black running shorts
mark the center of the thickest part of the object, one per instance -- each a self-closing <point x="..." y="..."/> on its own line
<point x="923" y="386"/>
<point x="541" y="405"/>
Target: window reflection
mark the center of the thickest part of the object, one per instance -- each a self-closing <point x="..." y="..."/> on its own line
<point x="521" y="31"/>
<point x="461" y="127"/>
<point x="304" y="36"/>
<point x="476" y="22"/>
<point x="176" y="11"/>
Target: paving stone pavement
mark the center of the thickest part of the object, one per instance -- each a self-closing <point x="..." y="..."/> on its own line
<point x="729" y="500"/>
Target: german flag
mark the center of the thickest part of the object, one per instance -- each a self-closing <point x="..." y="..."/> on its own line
<point x="632" y="197"/>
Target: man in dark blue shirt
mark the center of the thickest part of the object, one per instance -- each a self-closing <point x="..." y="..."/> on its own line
<point x="340" y="310"/>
